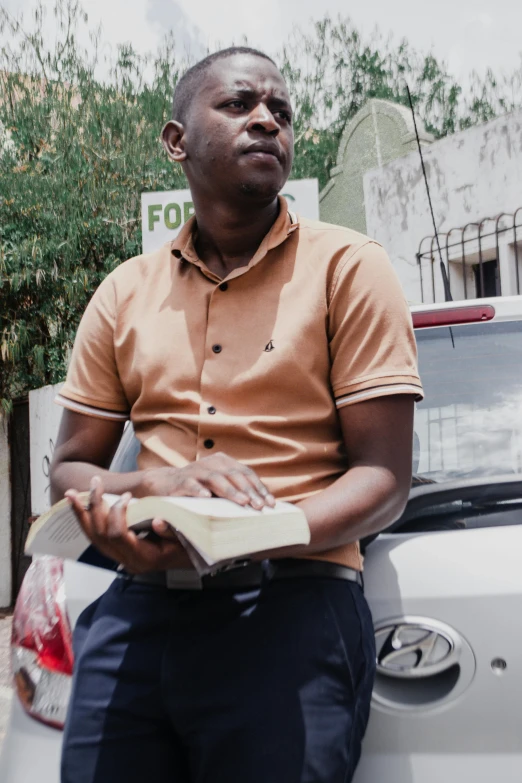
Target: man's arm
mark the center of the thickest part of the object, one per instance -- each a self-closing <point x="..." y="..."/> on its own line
<point x="378" y="435"/>
<point x="85" y="448"/>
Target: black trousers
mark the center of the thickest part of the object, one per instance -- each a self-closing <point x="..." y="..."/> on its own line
<point x="270" y="685"/>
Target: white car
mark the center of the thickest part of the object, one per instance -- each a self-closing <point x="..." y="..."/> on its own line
<point x="445" y="586"/>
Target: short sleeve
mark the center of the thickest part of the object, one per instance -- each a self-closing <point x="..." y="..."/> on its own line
<point x="93" y="385"/>
<point x="372" y="345"/>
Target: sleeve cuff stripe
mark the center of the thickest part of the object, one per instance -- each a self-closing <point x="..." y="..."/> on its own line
<point x="90" y="410"/>
<point x="375" y="391"/>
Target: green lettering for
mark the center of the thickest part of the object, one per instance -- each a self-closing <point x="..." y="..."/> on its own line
<point x="167" y="215"/>
<point x="188" y="210"/>
<point x="153" y="216"/>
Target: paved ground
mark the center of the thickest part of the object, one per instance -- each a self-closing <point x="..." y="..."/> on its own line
<point x="5" y="673"/>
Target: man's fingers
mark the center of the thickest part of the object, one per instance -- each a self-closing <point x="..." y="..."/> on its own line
<point x="97" y="507"/>
<point x="164" y="530"/>
<point x="82" y="514"/>
<point x="116" y="524"/>
<point x="259" y="486"/>
<point x="242" y="481"/>
<point x="193" y="488"/>
<point x="169" y="551"/>
<point x="143" y="556"/>
<point x="237" y="469"/>
<point x="221" y="486"/>
<point x="249" y="482"/>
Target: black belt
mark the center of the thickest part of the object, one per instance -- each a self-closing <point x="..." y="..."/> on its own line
<point x="253" y="574"/>
<point x="295" y="569"/>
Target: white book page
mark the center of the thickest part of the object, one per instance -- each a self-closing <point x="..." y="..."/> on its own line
<point x="61" y="535"/>
<point x="217" y="508"/>
<point x="231" y="531"/>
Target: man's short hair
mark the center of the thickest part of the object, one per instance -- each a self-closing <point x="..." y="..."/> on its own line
<point x="188" y="85"/>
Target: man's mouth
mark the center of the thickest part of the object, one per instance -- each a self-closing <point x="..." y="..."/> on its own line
<point x="264" y="151"/>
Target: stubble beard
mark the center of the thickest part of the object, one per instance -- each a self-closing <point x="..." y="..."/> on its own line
<point x="260" y="190"/>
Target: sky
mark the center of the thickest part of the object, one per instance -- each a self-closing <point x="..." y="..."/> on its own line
<point x="467" y="34"/>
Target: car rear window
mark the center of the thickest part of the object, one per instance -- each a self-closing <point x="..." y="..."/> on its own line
<point x="470" y="422"/>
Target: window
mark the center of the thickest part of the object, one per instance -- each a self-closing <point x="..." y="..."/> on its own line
<point x="470" y="422"/>
<point x="494" y="241"/>
<point x="487" y="280"/>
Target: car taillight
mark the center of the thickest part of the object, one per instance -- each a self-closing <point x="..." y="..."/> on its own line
<point x="41" y="644"/>
<point x="453" y="315"/>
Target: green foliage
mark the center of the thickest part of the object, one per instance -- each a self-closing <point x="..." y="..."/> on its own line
<point x="333" y="71"/>
<point x="77" y="150"/>
<point x="79" y="155"/>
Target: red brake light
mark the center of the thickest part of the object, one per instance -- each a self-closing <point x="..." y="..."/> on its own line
<point x="41" y="645"/>
<point x="453" y="315"/>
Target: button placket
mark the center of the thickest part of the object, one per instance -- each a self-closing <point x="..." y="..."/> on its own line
<point x="215" y="314"/>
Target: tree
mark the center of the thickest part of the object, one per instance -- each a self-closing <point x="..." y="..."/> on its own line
<point x="333" y="71"/>
<point x="76" y="151"/>
<point x="80" y="153"/>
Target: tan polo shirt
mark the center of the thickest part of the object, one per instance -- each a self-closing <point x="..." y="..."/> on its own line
<point x="254" y="365"/>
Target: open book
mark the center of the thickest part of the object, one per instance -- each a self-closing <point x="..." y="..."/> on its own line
<point x="214" y="531"/>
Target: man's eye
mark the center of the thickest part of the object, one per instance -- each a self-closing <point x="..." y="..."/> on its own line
<point x="285" y="115"/>
<point x="236" y="104"/>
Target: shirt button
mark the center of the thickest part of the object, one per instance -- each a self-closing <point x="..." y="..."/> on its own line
<point x="211" y="410"/>
<point x="217" y="348"/>
<point x="223" y="286"/>
<point x="208" y="443"/>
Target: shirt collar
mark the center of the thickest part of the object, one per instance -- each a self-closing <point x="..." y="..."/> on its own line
<point x="286" y="223"/>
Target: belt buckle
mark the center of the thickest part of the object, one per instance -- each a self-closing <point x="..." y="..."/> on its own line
<point x="233" y="565"/>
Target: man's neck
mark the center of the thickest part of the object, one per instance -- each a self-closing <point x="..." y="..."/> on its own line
<point x="227" y="238"/>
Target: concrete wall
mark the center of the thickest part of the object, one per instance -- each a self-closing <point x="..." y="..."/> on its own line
<point x="5" y="517"/>
<point x="380" y="132"/>
<point x="472" y="175"/>
<point x="44" y="423"/>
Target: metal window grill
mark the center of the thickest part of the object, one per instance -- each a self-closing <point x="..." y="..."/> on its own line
<point x="455" y="246"/>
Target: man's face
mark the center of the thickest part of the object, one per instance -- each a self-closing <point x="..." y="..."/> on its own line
<point x="238" y="131"/>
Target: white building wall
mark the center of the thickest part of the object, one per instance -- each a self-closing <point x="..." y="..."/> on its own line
<point x="44" y="423"/>
<point x="472" y="175"/>
<point x="5" y="517"/>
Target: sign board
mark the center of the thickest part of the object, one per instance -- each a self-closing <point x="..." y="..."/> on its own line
<point x="44" y="422"/>
<point x="164" y="213"/>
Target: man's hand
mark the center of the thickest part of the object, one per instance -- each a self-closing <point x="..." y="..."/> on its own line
<point x="108" y="531"/>
<point x="85" y="449"/>
<point x="82" y="456"/>
<point x="218" y="475"/>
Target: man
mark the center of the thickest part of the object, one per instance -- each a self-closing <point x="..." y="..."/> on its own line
<point x="259" y="357"/>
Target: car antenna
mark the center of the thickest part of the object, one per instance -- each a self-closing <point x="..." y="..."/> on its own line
<point x="445" y="279"/>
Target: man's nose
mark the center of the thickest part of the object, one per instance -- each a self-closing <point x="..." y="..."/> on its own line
<point x="261" y="118"/>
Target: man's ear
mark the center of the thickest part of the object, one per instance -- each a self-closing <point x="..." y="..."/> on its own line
<point x="173" y="138"/>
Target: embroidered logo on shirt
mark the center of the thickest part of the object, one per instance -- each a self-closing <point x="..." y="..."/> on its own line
<point x="270" y="346"/>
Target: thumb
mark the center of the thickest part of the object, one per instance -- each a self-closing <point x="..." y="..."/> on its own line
<point x="163" y="529"/>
